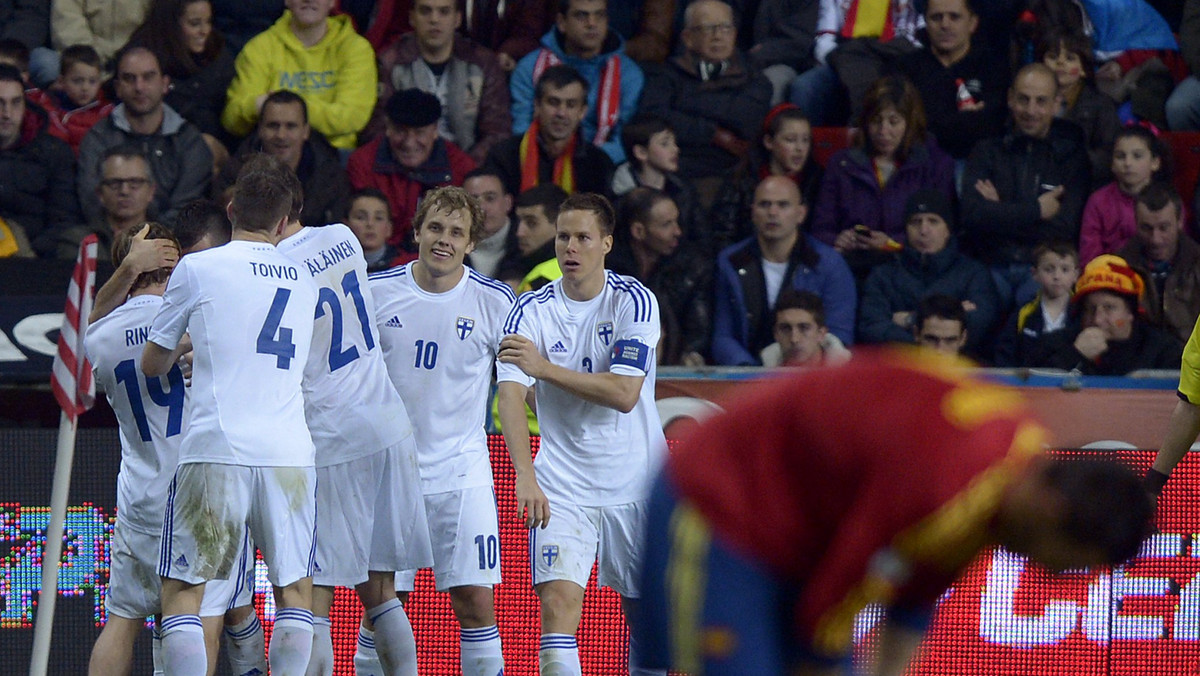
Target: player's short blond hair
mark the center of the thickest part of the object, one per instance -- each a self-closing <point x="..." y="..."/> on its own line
<point x="123" y="242"/>
<point x="450" y="199"/>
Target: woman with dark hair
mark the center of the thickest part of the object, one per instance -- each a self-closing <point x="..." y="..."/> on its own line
<point x="194" y="56"/>
<point x="785" y="149"/>
<point x="860" y="209"/>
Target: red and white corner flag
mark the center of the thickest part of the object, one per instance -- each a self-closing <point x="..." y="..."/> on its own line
<point x="71" y="375"/>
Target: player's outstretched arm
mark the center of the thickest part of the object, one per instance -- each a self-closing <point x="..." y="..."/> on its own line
<point x="145" y="255"/>
<point x="606" y="389"/>
<point x="532" y="506"/>
<point x="1182" y="431"/>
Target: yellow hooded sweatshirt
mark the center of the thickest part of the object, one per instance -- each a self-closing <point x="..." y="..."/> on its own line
<point x="335" y="77"/>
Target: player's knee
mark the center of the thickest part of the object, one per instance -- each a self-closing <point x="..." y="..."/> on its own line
<point x="473" y="606"/>
<point x="560" y="601"/>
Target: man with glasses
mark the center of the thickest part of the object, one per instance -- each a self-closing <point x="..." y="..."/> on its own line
<point x="180" y="160"/>
<point x="125" y="192"/>
<point x="711" y="97"/>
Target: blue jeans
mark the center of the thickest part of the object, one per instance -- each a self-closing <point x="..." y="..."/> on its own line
<point x="1183" y="106"/>
<point x="816" y="92"/>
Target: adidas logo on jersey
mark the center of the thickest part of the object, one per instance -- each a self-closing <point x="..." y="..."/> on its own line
<point x="394" y="323"/>
<point x="559" y="348"/>
<point x="181" y="562"/>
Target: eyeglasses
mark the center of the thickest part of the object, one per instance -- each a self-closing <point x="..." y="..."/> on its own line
<point x="713" y="29"/>
<point x="118" y="183"/>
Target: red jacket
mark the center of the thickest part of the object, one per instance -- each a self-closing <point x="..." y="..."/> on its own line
<point x="69" y="125"/>
<point x="372" y="166"/>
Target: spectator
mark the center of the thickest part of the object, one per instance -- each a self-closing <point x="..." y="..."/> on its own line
<point x="860" y="211"/>
<point x="550" y="151"/>
<point x="801" y="337"/>
<point x="1044" y="325"/>
<point x="1109" y="218"/>
<point x="1183" y="107"/>
<point x="581" y="39"/>
<point x="105" y="25"/>
<point x="499" y="225"/>
<point x="240" y="20"/>
<point x="1169" y="257"/>
<point x="37" y="173"/>
<point x="125" y="193"/>
<point x="537" y="210"/>
<point x="940" y="325"/>
<point x="180" y="161"/>
<point x="370" y="219"/>
<point x="1140" y="54"/>
<point x="784" y="33"/>
<point x="1026" y="186"/>
<point x="1115" y="338"/>
<point x="15" y="53"/>
<point x="649" y="245"/>
<point x="510" y="28"/>
<point x="784" y="150"/>
<point x="25" y="20"/>
<point x="315" y="55"/>
<point x="751" y="273"/>
<point x="647" y="26"/>
<point x="652" y="161"/>
<point x="930" y="264"/>
<point x="854" y="40"/>
<point x="712" y="98"/>
<point x="76" y="103"/>
<point x="463" y="74"/>
<point x="195" y="58"/>
<point x="408" y="159"/>
<point x="283" y="131"/>
<point x="960" y="81"/>
<point x="1069" y="55"/>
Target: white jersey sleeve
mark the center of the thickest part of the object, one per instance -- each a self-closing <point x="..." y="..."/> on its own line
<point x="593" y="455"/>
<point x="149" y="411"/>
<point x="249" y="313"/>
<point x="439" y="349"/>
<point x="351" y="406"/>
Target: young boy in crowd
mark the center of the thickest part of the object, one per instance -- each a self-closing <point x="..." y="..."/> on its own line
<point x="1043" y="325"/>
<point x="653" y="154"/>
<point x="75" y="102"/>
<point x="370" y="219"/>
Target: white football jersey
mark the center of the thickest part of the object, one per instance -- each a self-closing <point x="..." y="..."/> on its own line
<point x="439" y="349"/>
<point x="592" y="455"/>
<point x="249" y="312"/>
<point x="149" y="411"/>
<point x="350" y="404"/>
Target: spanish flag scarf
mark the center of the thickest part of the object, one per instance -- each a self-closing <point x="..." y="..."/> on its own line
<point x="530" y="155"/>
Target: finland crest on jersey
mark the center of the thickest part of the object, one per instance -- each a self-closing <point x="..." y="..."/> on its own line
<point x="350" y="404"/>
<point x="592" y="455"/>
<point x="440" y="349"/>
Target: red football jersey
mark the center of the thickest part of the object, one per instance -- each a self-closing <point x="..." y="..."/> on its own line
<point x="871" y="482"/>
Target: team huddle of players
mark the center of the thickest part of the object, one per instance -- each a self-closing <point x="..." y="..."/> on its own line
<point x="335" y="422"/>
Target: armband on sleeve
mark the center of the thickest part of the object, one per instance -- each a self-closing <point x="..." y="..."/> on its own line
<point x="631" y="353"/>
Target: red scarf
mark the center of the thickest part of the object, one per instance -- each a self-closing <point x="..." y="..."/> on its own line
<point x="530" y="156"/>
<point x="608" y="99"/>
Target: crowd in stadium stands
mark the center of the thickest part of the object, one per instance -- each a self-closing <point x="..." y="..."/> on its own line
<point x="1011" y="155"/>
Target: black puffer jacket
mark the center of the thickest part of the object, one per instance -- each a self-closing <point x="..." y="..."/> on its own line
<point x="37" y="183"/>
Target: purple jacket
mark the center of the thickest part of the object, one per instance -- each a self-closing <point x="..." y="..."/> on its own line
<point x="850" y="193"/>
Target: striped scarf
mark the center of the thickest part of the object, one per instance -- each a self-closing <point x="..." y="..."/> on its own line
<point x="608" y="99"/>
<point x="530" y="155"/>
